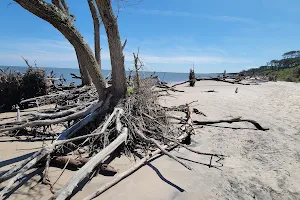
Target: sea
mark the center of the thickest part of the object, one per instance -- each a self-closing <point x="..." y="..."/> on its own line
<point x="169" y="77"/>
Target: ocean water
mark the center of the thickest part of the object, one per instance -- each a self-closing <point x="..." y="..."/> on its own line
<point x="169" y="77"/>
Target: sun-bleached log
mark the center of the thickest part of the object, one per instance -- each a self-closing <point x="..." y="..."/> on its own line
<point x="61" y="139"/>
<point x="87" y="169"/>
<point x="73" y="116"/>
<point x="125" y="174"/>
<point x="134" y="168"/>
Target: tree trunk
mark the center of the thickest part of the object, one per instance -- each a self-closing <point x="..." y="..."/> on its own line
<point x="85" y="77"/>
<point x="61" y="22"/>
<point x="96" y="32"/>
<point x="116" y="54"/>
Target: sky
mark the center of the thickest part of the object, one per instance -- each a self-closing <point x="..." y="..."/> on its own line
<point x="172" y="35"/>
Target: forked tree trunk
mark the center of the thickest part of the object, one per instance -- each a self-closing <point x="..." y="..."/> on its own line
<point x="115" y="47"/>
<point x="85" y="77"/>
<point x="96" y="31"/>
<point x="61" y="22"/>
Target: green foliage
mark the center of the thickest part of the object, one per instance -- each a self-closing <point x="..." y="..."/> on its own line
<point x="34" y="83"/>
<point x="285" y="69"/>
<point x="130" y="91"/>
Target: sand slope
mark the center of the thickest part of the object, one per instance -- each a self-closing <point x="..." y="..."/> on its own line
<point x="259" y="165"/>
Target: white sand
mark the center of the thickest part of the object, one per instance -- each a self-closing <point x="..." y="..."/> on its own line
<point x="259" y="165"/>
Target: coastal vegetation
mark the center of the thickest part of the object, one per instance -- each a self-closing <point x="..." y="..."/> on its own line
<point x="285" y="69"/>
<point x="15" y="86"/>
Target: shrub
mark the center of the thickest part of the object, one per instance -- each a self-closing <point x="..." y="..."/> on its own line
<point x="34" y="83"/>
<point x="15" y="86"/>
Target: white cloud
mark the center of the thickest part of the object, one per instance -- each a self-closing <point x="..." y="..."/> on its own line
<point x="189" y="14"/>
<point x="56" y="53"/>
<point x="192" y="59"/>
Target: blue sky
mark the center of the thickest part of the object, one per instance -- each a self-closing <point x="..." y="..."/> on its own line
<point x="172" y="34"/>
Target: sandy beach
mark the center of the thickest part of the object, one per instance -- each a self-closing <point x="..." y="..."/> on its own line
<point x="258" y="164"/>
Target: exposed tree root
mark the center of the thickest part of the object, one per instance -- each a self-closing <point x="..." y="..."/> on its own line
<point x="137" y="124"/>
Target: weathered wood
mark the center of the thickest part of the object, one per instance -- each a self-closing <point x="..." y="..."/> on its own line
<point x="134" y="168"/>
<point x="255" y="123"/>
<point x="59" y="141"/>
<point x="155" y="142"/>
<point x="72" y="163"/>
<point x="125" y="174"/>
<point x="96" y="31"/>
<point x="77" y="126"/>
<point x="87" y="169"/>
<point x="73" y="116"/>
<point x="63" y="22"/>
<point x="119" y="84"/>
<point x="29" y="165"/>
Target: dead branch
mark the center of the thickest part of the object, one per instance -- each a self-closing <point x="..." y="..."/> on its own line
<point x="125" y="174"/>
<point x="155" y="142"/>
<point x="75" y="76"/>
<point x="255" y="123"/>
<point x="87" y="169"/>
<point x="73" y="116"/>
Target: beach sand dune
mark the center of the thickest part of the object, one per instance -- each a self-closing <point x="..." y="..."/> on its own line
<point x="258" y="164"/>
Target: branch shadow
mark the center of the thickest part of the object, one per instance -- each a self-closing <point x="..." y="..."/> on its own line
<point x="160" y="174"/>
<point x="16" y="159"/>
<point x="200" y="163"/>
<point x="27" y="140"/>
<point x="23" y="181"/>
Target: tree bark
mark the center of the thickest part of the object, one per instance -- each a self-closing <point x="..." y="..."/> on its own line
<point x="85" y="77"/>
<point x="96" y="31"/>
<point x="61" y="21"/>
<point x="109" y="20"/>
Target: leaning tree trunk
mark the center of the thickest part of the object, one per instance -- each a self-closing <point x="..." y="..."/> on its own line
<point x="115" y="47"/>
<point x="85" y="77"/>
<point x="61" y="22"/>
<point x="96" y="31"/>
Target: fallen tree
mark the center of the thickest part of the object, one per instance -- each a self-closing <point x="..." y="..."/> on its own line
<point x="138" y="119"/>
<point x="105" y="122"/>
<point x="238" y="81"/>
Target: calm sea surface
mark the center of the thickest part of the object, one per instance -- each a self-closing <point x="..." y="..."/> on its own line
<point x="169" y="77"/>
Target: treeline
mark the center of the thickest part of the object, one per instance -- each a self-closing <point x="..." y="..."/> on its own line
<point x="285" y="69"/>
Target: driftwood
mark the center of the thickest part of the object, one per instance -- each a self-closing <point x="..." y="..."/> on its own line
<point x="134" y="168"/>
<point x="255" y="123"/>
<point x="75" y="76"/>
<point x="73" y="116"/>
<point x="84" y="150"/>
<point x="214" y="79"/>
<point x="87" y="169"/>
<point x="59" y="141"/>
<point x="125" y="174"/>
<point x="68" y="162"/>
<point x="210" y="91"/>
<point x="142" y="162"/>
<point x="151" y="140"/>
<point x="24" y="169"/>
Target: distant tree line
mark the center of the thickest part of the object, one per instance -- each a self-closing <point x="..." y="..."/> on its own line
<point x="289" y="59"/>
